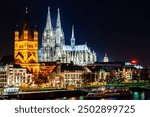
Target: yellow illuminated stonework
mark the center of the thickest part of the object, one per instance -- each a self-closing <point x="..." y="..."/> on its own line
<point x="26" y="48"/>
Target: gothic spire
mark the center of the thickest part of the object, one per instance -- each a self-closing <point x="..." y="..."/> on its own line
<point x="26" y="26"/>
<point x="26" y="23"/>
<point x="48" y="22"/>
<point x="72" y="37"/>
<point x="58" y="24"/>
<point x="72" y="31"/>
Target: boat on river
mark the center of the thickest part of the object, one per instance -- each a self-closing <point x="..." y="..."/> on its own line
<point x="104" y="92"/>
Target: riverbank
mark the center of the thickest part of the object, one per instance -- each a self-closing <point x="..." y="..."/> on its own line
<point x="50" y="93"/>
<point x="129" y="85"/>
<point x="64" y="94"/>
<point x="42" y="95"/>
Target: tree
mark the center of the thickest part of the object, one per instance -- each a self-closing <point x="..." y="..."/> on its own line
<point x="145" y="74"/>
<point x="40" y="79"/>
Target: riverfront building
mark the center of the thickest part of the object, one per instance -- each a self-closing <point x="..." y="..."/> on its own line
<point x="14" y="75"/>
<point x="74" y="75"/>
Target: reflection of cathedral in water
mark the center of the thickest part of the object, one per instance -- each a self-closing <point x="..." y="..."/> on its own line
<point x="54" y="48"/>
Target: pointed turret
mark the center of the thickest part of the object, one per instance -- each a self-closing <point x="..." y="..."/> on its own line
<point x="17" y="33"/>
<point x="35" y="33"/>
<point x="26" y="34"/>
<point x="72" y="31"/>
<point x="26" y="23"/>
<point x="58" y="24"/>
<point x="72" y="37"/>
<point x="48" y="22"/>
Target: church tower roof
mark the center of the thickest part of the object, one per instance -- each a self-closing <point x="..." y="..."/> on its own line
<point x="48" y="22"/>
<point x="26" y="26"/>
<point x="58" y="23"/>
<point x="72" y="31"/>
<point x="72" y="37"/>
<point x="26" y="23"/>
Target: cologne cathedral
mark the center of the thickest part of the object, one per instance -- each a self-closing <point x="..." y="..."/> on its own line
<point x="54" y="47"/>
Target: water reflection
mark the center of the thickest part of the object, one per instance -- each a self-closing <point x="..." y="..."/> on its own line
<point x="142" y="96"/>
<point x="137" y="95"/>
<point x="81" y="98"/>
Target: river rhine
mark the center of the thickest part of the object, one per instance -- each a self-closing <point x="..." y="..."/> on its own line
<point x="137" y="95"/>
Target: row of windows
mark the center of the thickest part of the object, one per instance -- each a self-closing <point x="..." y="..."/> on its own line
<point x="73" y="76"/>
<point x="2" y="84"/>
<point x="73" y="81"/>
<point x="3" y="76"/>
<point x="20" y="77"/>
<point x="3" y="80"/>
<point x="19" y="74"/>
<point x="16" y="71"/>
<point x="2" y="73"/>
<point x="17" y="81"/>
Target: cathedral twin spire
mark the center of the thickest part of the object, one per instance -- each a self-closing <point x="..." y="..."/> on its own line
<point x="49" y="22"/>
<point x="54" y="47"/>
<point x="58" y="25"/>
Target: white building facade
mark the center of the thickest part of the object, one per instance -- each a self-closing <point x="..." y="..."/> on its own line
<point x="54" y="47"/>
<point x="11" y="76"/>
<point x="73" y="78"/>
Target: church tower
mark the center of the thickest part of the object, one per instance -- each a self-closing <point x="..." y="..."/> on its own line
<point x="26" y="47"/>
<point x="59" y="37"/>
<point x="106" y="59"/>
<point x="48" y="41"/>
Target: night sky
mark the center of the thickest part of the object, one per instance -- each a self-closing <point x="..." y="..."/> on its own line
<point x="119" y="27"/>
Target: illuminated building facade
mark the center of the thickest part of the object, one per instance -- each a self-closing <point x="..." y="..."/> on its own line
<point x="26" y="47"/>
<point x="118" y="70"/>
<point x="73" y="75"/>
<point x="14" y="75"/>
<point x="54" y="47"/>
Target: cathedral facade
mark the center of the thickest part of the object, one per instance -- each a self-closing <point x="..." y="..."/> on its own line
<point x="54" y="47"/>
